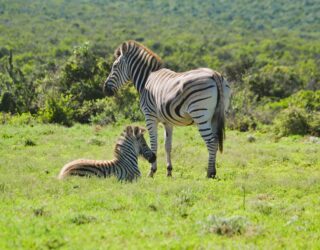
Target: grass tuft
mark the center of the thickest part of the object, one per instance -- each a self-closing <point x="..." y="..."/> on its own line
<point x="39" y="211"/>
<point x="83" y="219"/>
<point x="95" y="141"/>
<point x="29" y="142"/>
<point x="236" y="225"/>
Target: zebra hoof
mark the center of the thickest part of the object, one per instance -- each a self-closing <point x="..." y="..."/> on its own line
<point x="211" y="175"/>
<point x="151" y="173"/>
<point x="169" y="174"/>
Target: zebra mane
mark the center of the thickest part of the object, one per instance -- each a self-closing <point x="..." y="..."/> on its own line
<point x="131" y="44"/>
<point x="128" y="132"/>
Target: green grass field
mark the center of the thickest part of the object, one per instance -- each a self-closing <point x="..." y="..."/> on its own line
<point x="266" y="196"/>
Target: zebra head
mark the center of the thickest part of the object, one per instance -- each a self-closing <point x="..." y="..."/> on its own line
<point x="143" y="148"/>
<point x="119" y="74"/>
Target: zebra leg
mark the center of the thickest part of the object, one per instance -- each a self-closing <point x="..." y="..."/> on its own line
<point x="207" y="131"/>
<point x="153" y="132"/>
<point x="168" y="147"/>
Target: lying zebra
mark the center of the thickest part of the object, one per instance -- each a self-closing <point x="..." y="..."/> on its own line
<point x="200" y="96"/>
<point x="130" y="144"/>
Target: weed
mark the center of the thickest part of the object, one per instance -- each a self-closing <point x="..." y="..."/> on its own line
<point x="95" y="141"/>
<point x="153" y="207"/>
<point x="39" y="211"/>
<point x="236" y="225"/>
<point x="54" y="243"/>
<point x="2" y="187"/>
<point x="29" y="142"/>
<point x="83" y="219"/>
<point x="263" y="207"/>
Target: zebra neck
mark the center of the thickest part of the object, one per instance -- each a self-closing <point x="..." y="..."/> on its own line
<point x="141" y="67"/>
<point x="139" y="78"/>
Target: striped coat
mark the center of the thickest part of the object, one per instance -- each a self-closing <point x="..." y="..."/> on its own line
<point x="198" y="97"/>
<point x="130" y="144"/>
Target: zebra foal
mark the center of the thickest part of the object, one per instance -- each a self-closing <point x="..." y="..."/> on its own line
<point x="198" y="96"/>
<point x="130" y="144"/>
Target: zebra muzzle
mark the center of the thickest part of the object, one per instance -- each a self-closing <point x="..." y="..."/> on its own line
<point x="108" y="91"/>
<point x="152" y="159"/>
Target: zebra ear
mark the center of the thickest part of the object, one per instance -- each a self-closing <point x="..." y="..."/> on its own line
<point x="142" y="130"/>
<point x="136" y="131"/>
<point x="129" y="130"/>
<point x="124" y="48"/>
<point x="117" y="53"/>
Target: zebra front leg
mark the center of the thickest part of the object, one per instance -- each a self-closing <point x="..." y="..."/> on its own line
<point x="168" y="147"/>
<point x="153" y="132"/>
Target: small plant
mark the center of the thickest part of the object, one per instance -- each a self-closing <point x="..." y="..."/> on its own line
<point x="38" y="211"/>
<point x="29" y="142"/>
<point x="95" y="141"/>
<point x="236" y="225"/>
<point x="2" y="188"/>
<point x="83" y="219"/>
<point x="264" y="207"/>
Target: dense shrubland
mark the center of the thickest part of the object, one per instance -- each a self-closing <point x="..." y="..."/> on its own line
<point x="55" y="55"/>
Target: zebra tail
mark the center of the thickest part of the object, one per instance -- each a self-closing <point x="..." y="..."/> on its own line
<point x="79" y="167"/>
<point x="219" y="112"/>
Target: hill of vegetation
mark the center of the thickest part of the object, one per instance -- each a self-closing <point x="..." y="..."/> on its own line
<point x="55" y="54"/>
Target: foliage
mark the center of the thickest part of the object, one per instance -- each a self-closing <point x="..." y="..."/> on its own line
<point x="58" y="110"/>
<point x="274" y="82"/>
<point x="304" y="99"/>
<point x="66" y="47"/>
<point x="292" y="121"/>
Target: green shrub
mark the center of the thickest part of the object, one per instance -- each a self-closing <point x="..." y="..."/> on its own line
<point x="305" y="99"/>
<point x="101" y="111"/>
<point x="18" y="119"/>
<point x="314" y="124"/>
<point x="57" y="110"/>
<point x="274" y="82"/>
<point x="241" y="114"/>
<point x="241" y="122"/>
<point x="292" y="121"/>
<point x="8" y="103"/>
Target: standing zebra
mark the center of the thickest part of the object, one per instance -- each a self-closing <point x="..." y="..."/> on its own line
<point x="130" y="144"/>
<point x="198" y="96"/>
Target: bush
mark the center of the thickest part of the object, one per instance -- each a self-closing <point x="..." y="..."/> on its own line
<point x="101" y="111"/>
<point x="292" y="121"/>
<point x="275" y="82"/>
<point x="314" y="124"/>
<point x="8" y="103"/>
<point x="57" y="110"/>
<point x="18" y="119"/>
<point x="305" y="99"/>
<point x="241" y="122"/>
<point x="241" y="113"/>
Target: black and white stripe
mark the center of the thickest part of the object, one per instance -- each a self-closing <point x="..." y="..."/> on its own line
<point x="130" y="145"/>
<point x="198" y="96"/>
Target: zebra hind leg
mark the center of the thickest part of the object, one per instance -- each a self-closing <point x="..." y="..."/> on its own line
<point x="168" y="147"/>
<point x="208" y="135"/>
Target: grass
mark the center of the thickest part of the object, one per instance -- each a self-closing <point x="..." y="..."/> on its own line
<point x="266" y="196"/>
